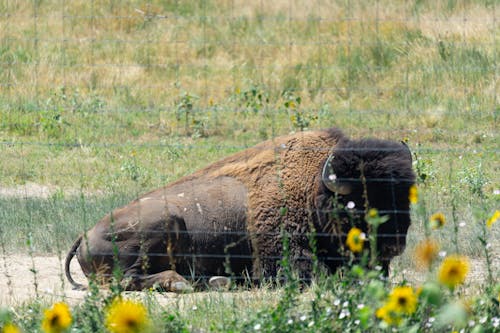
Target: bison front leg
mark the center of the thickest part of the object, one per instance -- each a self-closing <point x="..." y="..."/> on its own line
<point x="297" y="262"/>
<point x="168" y="280"/>
<point x="289" y="256"/>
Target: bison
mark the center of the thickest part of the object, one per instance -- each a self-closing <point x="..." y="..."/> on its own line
<point x="231" y="217"/>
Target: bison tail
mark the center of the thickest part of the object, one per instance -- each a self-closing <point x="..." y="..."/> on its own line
<point x="69" y="257"/>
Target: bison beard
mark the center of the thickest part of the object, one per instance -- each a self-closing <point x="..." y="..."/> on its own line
<point x="230" y="217"/>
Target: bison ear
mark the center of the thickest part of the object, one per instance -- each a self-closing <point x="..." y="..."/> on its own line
<point x="330" y="179"/>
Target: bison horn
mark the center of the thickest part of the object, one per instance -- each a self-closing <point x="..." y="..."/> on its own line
<point x="330" y="179"/>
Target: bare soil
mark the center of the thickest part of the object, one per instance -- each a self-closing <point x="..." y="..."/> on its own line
<point x="24" y="277"/>
<point x="34" y="190"/>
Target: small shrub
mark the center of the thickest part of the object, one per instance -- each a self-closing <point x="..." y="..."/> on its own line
<point x="253" y="98"/>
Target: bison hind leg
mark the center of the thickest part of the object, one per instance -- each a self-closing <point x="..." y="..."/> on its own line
<point x="168" y="280"/>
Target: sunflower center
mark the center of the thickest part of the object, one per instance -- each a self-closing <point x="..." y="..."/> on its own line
<point x="131" y="323"/>
<point x="402" y="301"/>
<point x="453" y="272"/>
<point x="54" y="321"/>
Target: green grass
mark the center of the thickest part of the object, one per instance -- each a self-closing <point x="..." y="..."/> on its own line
<point x="111" y="99"/>
<point x="38" y="220"/>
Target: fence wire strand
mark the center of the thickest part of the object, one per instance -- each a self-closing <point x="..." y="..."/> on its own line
<point x="147" y="92"/>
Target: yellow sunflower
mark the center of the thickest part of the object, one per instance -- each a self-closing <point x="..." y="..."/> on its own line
<point x="495" y="217"/>
<point x="413" y="194"/>
<point x="437" y="220"/>
<point x="425" y="253"/>
<point x="57" y="319"/>
<point x="403" y="300"/>
<point x="388" y="314"/>
<point x="453" y="270"/>
<point x="10" y="328"/>
<point x="355" y="240"/>
<point x="127" y="316"/>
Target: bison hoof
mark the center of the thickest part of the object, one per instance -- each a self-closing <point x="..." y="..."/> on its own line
<point x="219" y="282"/>
<point x="180" y="287"/>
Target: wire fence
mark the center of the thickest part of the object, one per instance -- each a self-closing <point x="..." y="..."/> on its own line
<point x="101" y="102"/>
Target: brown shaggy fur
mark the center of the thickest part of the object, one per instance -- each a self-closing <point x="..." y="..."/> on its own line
<point x="257" y="195"/>
<point x="278" y="173"/>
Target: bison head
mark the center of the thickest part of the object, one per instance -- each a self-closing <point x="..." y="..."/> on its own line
<point x="374" y="174"/>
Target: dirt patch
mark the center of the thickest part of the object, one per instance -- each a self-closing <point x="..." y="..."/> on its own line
<point x="23" y="278"/>
<point x="34" y="190"/>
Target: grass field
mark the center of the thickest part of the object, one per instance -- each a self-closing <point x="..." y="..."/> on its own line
<point x="101" y="101"/>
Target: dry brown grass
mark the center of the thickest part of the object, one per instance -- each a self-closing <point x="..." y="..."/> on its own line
<point x="157" y="51"/>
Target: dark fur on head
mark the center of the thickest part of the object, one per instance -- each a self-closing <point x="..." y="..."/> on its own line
<point x="378" y="174"/>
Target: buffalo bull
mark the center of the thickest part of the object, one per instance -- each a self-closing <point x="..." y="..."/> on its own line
<point x="230" y="217"/>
